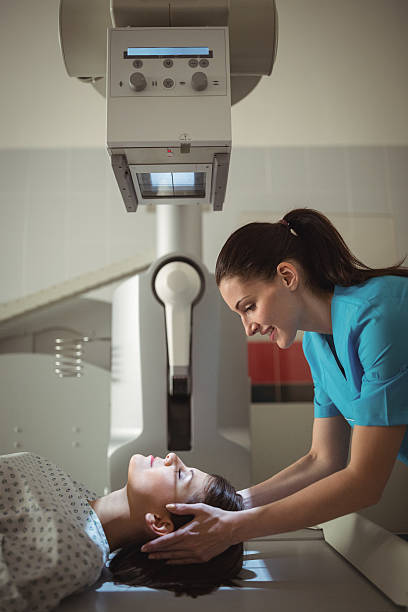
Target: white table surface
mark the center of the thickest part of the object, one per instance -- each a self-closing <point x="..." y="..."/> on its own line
<point x="289" y="573"/>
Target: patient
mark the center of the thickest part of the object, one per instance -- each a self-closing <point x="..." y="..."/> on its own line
<point x="56" y="536"/>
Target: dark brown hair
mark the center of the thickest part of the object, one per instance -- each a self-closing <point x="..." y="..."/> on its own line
<point x="305" y="235"/>
<point x="132" y="567"/>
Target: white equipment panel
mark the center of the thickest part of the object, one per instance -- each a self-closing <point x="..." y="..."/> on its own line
<point x="152" y="105"/>
<point x="168" y="67"/>
<point x="169" y="114"/>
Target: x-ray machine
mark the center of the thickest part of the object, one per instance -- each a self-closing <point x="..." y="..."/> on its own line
<point x="173" y="69"/>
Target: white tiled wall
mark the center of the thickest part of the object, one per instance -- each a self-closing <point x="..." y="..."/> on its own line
<point x="61" y="213"/>
<point x="281" y="433"/>
<point x="397" y="186"/>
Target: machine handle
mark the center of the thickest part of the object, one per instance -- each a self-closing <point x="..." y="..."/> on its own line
<point x="177" y="285"/>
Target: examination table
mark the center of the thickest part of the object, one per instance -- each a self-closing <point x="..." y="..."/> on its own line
<point x="305" y="570"/>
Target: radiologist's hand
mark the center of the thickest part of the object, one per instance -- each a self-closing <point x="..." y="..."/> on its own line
<point x="208" y="534"/>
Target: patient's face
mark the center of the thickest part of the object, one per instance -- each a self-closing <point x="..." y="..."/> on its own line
<point x="155" y="482"/>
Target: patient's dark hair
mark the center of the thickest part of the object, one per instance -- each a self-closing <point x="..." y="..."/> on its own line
<point x="132" y="567"/>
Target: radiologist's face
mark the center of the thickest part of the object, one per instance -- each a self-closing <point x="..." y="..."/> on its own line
<point x="266" y="307"/>
<point x="155" y="482"/>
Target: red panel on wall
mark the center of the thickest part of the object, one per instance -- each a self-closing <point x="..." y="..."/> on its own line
<point x="270" y="364"/>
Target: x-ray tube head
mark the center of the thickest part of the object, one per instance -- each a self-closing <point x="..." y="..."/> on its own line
<point x="169" y="114"/>
<point x="169" y="87"/>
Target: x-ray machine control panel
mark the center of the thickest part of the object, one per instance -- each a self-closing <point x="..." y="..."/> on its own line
<point x="178" y="64"/>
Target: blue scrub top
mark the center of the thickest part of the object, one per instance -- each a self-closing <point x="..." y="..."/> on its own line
<point x="370" y="334"/>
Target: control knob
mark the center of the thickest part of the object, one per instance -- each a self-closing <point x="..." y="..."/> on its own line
<point x="199" y="81"/>
<point x="137" y="81"/>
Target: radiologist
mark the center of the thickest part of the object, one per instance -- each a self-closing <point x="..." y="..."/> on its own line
<point x="298" y="274"/>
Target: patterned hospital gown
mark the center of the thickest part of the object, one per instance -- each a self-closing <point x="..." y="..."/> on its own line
<point x="51" y="541"/>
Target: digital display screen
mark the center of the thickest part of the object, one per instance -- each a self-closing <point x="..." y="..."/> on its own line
<point x="157" y="52"/>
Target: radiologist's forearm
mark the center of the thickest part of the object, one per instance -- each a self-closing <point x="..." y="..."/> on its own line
<point x="297" y="476"/>
<point x="330" y="497"/>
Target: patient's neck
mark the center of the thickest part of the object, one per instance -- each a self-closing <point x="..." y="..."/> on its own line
<point x="121" y="523"/>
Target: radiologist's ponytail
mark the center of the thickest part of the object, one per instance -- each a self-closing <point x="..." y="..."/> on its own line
<point x="305" y="235"/>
